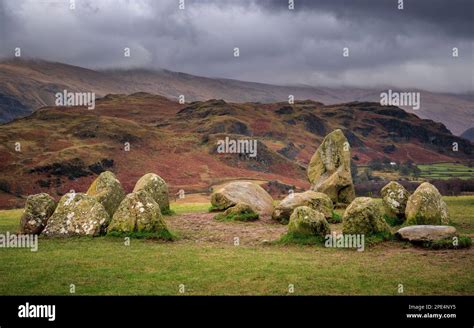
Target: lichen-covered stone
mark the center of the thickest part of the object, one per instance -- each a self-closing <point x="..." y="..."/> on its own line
<point x="77" y="214"/>
<point x="138" y="212"/>
<point x="306" y="221"/>
<point x="424" y="233"/>
<point x="394" y="198"/>
<point x="426" y="206"/>
<point x="329" y="170"/>
<point x="364" y="216"/>
<point x="316" y="200"/>
<point x="157" y="188"/>
<point x="239" y="212"/>
<point x="243" y="192"/>
<point x="38" y="209"/>
<point x="108" y="191"/>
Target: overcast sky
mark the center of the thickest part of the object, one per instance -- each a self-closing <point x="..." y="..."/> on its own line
<point x="404" y="48"/>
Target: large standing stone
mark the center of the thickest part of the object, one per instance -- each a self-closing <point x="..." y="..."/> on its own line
<point x="38" y="209"/>
<point x="394" y="198"/>
<point x="243" y="192"/>
<point x="426" y="206"/>
<point x="157" y="188"/>
<point x="138" y="212"/>
<point x="306" y="221"/>
<point x="108" y="191"/>
<point x="329" y="170"/>
<point x="77" y="214"/>
<point x="364" y="216"/>
<point x="316" y="200"/>
<point x="423" y="233"/>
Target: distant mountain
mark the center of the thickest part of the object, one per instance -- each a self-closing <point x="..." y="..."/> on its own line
<point x="26" y="85"/>
<point x="468" y="134"/>
<point x="63" y="148"/>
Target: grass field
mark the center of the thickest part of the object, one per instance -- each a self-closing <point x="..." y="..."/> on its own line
<point x="446" y="171"/>
<point x="215" y="266"/>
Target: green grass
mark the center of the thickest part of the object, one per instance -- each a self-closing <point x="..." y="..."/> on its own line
<point x="189" y="208"/>
<point x="294" y="238"/>
<point x="446" y="171"/>
<point x="106" y="266"/>
<point x="462" y="242"/>
<point x="335" y="217"/>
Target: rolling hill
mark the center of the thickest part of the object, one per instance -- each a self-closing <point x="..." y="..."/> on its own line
<point x="26" y="85"/>
<point x="63" y="148"/>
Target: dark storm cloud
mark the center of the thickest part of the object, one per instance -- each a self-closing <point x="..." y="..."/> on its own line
<point x="454" y="17"/>
<point x="405" y="48"/>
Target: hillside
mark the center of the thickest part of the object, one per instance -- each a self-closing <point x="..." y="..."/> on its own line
<point x="26" y="85"/>
<point x="65" y="148"/>
<point x="468" y="134"/>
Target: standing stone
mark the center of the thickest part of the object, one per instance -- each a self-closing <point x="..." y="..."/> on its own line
<point x="243" y="192"/>
<point x="329" y="170"/>
<point x="157" y="188"/>
<point x="364" y="216"/>
<point x="38" y="209"/>
<point x="426" y="206"/>
<point x="394" y="198"/>
<point x="77" y="214"/>
<point x="138" y="212"/>
<point x="306" y="221"/>
<point x="315" y="200"/>
<point x="108" y="191"/>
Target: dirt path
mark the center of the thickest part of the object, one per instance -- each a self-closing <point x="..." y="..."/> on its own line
<point x="203" y="228"/>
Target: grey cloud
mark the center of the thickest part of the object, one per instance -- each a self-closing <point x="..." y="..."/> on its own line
<point x="409" y="48"/>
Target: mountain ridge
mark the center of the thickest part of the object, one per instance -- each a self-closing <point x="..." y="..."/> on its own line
<point x="31" y="84"/>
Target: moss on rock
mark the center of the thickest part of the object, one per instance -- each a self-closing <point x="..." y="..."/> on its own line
<point x="157" y="188"/>
<point x="394" y="199"/>
<point x="38" y="209"/>
<point x="77" y="214"/>
<point x="138" y="212"/>
<point x="426" y="206"/>
<point x="315" y="200"/>
<point x="364" y="216"/>
<point x="108" y="191"/>
<point x="306" y="221"/>
<point x="329" y="170"/>
<point x="239" y="212"/>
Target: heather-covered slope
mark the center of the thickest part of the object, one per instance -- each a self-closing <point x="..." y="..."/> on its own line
<point x="65" y="148"/>
<point x="26" y="85"/>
